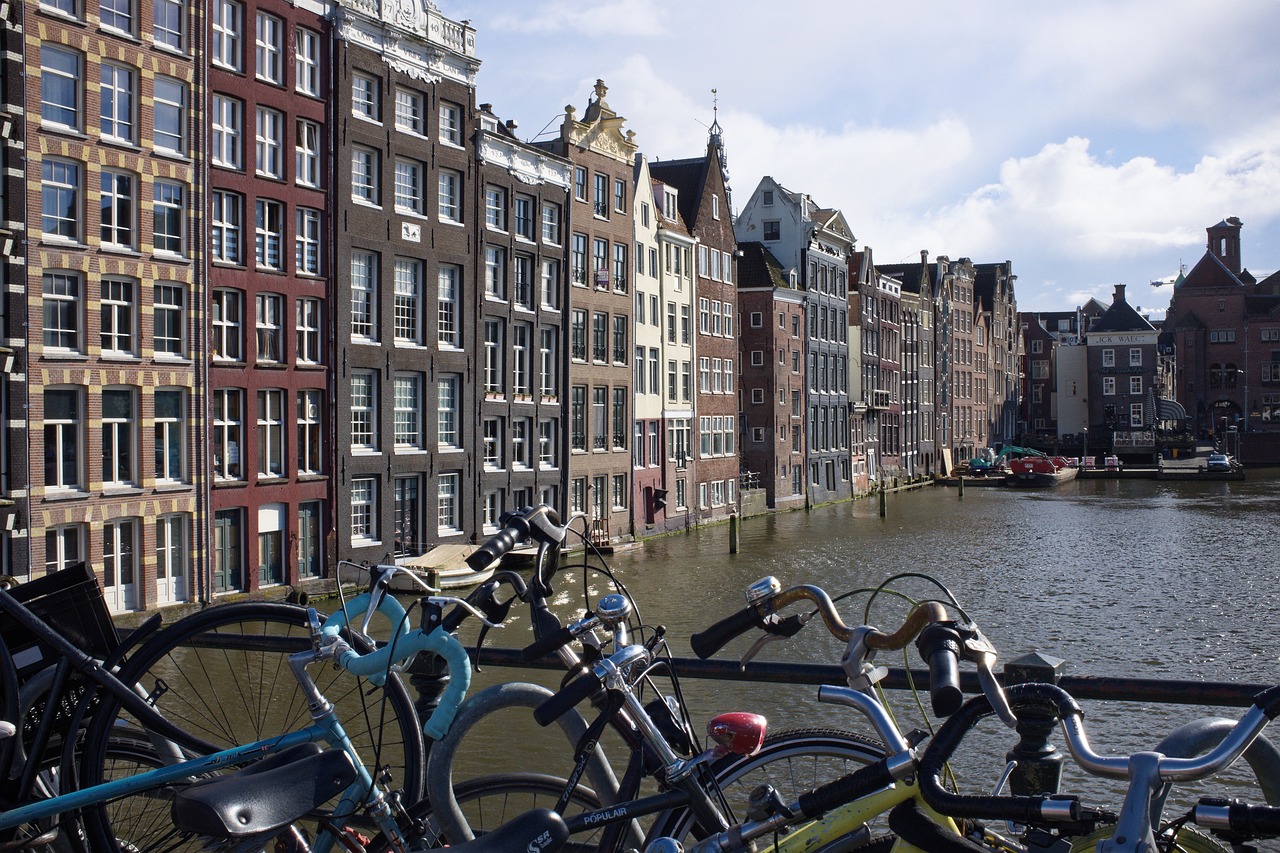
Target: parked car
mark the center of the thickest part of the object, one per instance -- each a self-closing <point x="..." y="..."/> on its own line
<point x="1218" y="462"/>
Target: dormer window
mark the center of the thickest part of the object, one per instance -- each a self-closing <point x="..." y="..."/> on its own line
<point x="669" y="204"/>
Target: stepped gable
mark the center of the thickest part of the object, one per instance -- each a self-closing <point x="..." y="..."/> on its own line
<point x="759" y="268"/>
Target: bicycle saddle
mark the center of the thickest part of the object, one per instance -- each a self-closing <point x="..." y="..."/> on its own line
<point x="538" y="831"/>
<point x="265" y="796"/>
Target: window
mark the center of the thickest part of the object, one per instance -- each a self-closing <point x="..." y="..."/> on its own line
<point x="450" y="123"/>
<point x="364" y="175"/>
<point x="364" y="295"/>
<point x="600" y="262"/>
<point x="620" y="267"/>
<point x="169" y="115"/>
<point x="270" y="328"/>
<point x="669" y="198"/>
<point x="1135" y="384"/>
<point x="619" y="491"/>
<point x="60" y="76"/>
<point x="1135" y="414"/>
<point x="310" y="432"/>
<point x="620" y="196"/>
<point x="495" y="272"/>
<point x="520" y="333"/>
<point x="549" y="363"/>
<point x="228" y="317"/>
<point x="228" y="421"/>
<point x="117" y="209"/>
<point x="270" y="38"/>
<point x="1109" y="385"/>
<point x="409" y="196"/>
<point x="225" y="226"/>
<point x="408" y="300"/>
<point x="269" y="234"/>
<point x="447" y="329"/>
<point x="578" y="259"/>
<point x="307" y="61"/>
<point x="117" y="15"/>
<point x="226" y="124"/>
<point x="364" y="410"/>
<point x="170" y="436"/>
<point x="1108" y="358"/>
<point x="551" y="222"/>
<point x="270" y="143"/>
<point x="309" y="331"/>
<point x="578" y="417"/>
<point x="227" y="17"/>
<point x="1135" y="357"/>
<point x="599" y="418"/>
<point x="495" y="208"/>
<point x="447" y="411"/>
<point x="270" y="433"/>
<point x="306" y="163"/>
<point x="169" y="18"/>
<point x="169" y="320"/>
<point x="448" y="513"/>
<point x="599" y="340"/>
<point x="520" y="444"/>
<point x="306" y="242"/>
<point x="408" y="516"/>
<point x="118" y="322"/>
<point x="619" y="419"/>
<point x="772" y="230"/>
<point x="602" y="195"/>
<point x="450" y="196"/>
<point x="63" y="439"/>
<point x="550" y="284"/>
<point x="524" y="217"/>
<point x="409" y="116"/>
<point x="547" y="445"/>
<point x="408" y="409"/>
<point x="169" y="218"/>
<point x="366" y="97"/>
<point x="493" y="441"/>
<point x="494" y="335"/>
<point x="60" y="209"/>
<point x="580" y="183"/>
<point x="364" y="510"/>
<point x="62" y="312"/>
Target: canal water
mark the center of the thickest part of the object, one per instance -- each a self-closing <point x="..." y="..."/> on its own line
<point x="1118" y="578"/>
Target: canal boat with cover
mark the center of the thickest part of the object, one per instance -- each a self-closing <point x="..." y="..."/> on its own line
<point x="1041" y="472"/>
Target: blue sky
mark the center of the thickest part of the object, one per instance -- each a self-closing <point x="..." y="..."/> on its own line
<point x="1087" y="142"/>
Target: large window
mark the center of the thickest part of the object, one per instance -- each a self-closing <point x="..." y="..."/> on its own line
<point x="271" y="433"/>
<point x="60" y="207"/>
<point x="226" y="226"/>
<point x="408" y="186"/>
<point x="408" y="516"/>
<point x="169" y="319"/>
<point x="450" y="123"/>
<point x="448" y="512"/>
<point x="63" y="312"/>
<point x="408" y="300"/>
<point x="409" y="114"/>
<point x="450" y="196"/>
<point x="228" y="27"/>
<point x="119" y="320"/>
<point x="269" y="48"/>
<point x="269" y="324"/>
<point x="520" y="333"/>
<point x="364" y="295"/>
<point x="307" y="61"/>
<point x="495" y="208"/>
<point x="447" y="328"/>
<point x="364" y="511"/>
<point x="364" y="410"/>
<point x="169" y="218"/>
<point x="170" y="436"/>
<point x="227" y="121"/>
<point x="170" y="23"/>
<point x="366" y="97"/>
<point x="551" y="214"/>
<point x="118" y="102"/>
<point x="269" y="146"/>
<point x="494" y="361"/>
<point x="228" y="325"/>
<point x="169" y="116"/>
<point x="307" y="154"/>
<point x="310" y="431"/>
<point x="548" y="447"/>
<point x="60" y="79"/>
<point x="118" y="221"/>
<point x="550" y="284"/>
<point x="309" y="331"/>
<point x="64" y="546"/>
<point x="447" y="411"/>
<point x="306" y="242"/>
<point x="228" y="427"/>
<point x="63" y="439"/>
<point x="408" y="410"/>
<point x="364" y="175"/>
<point x="549" y="363"/>
<point x="495" y="272"/>
<point x="269" y="234"/>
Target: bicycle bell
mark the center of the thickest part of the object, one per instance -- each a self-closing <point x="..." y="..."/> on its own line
<point x="613" y="609"/>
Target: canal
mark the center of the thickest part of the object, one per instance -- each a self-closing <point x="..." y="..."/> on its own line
<point x="1118" y="578"/>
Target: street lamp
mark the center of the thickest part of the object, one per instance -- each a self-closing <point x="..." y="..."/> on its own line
<point x="1084" y="457"/>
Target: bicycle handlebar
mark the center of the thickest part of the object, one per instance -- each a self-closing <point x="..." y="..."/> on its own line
<point x="1236" y="816"/>
<point x="538" y="522"/>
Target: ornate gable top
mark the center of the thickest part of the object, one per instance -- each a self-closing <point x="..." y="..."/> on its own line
<point x="600" y="129"/>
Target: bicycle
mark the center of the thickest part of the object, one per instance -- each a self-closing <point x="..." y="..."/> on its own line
<point x="168" y="762"/>
<point x="657" y="735"/>
<point x="1139" y="826"/>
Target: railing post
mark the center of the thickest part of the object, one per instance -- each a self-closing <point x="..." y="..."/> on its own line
<point x="1039" y="764"/>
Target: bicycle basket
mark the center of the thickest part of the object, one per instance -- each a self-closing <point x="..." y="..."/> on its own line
<point x="71" y="602"/>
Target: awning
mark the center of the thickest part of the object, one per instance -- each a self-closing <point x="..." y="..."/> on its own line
<point x="1171" y="410"/>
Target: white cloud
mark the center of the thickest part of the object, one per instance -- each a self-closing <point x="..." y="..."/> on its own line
<point x="617" y="19"/>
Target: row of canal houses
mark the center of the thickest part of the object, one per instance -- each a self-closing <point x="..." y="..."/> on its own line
<point x="278" y="291"/>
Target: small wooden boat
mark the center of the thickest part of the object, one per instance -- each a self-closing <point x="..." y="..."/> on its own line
<point x="448" y="562"/>
<point x="1041" y="471"/>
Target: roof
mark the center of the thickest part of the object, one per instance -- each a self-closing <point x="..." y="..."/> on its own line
<point x="759" y="268"/>
<point x="687" y="176"/>
<point x="1122" y="317"/>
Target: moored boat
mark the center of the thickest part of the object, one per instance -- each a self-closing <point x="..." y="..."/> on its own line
<point x="447" y="562"/>
<point x="1041" y="472"/>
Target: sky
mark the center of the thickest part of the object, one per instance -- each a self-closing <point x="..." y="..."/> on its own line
<point x="1088" y="142"/>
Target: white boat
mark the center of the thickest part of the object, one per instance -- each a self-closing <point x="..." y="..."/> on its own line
<point x="447" y="562"/>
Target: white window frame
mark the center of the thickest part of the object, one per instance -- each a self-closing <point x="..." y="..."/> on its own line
<point x="364" y="511"/>
<point x="448" y="410"/>
<point x="269" y="234"/>
<point x="169" y="116"/>
<point x="272" y="457"/>
<point x="448" y="328"/>
<point x="410" y="117"/>
<point x="226" y="120"/>
<point x="119" y="316"/>
<point x="61" y="74"/>
<point x="226" y="227"/>
<point x="365" y="175"/>
<point x="364" y="295"/>
<point x="308" y="323"/>
<point x="269" y="48"/>
<point x="408" y="410"/>
<point x="307" y="237"/>
<point x="306" y="160"/>
<point x="227" y="17"/>
<point x="409" y="177"/>
<point x="307" y="61"/>
<point x="449" y="196"/>
<point x="269" y="142"/>
<point x="408" y="302"/>
<point x="119" y="196"/>
<point x="169" y="307"/>
<point x="366" y="97"/>
<point x="171" y="437"/>
<point x="310" y="431"/>
<point x="364" y="411"/>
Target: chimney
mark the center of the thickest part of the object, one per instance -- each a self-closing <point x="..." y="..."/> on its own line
<point x="1119" y="297"/>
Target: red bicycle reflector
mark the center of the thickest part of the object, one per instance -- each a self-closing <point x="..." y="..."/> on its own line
<point x="738" y="732"/>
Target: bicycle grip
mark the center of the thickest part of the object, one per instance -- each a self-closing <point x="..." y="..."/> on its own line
<point x="492" y="549"/>
<point x="860" y="783"/>
<point x="546" y="645"/>
<point x="559" y="704"/>
<point x="1239" y="817"/>
<point x="939" y="645"/>
<point x="707" y="643"/>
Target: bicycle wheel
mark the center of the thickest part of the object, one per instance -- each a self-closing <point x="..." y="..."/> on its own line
<point x="792" y="761"/>
<point x="491" y="801"/>
<point x="223" y="676"/>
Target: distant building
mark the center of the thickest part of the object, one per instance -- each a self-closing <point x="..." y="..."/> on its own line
<point x="1121" y="364"/>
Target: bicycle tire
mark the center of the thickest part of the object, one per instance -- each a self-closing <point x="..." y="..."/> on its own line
<point x="490" y="801"/>
<point x="792" y="761"/>
<point x="216" y="679"/>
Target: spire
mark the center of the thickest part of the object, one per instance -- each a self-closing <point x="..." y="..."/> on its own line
<point x="716" y="140"/>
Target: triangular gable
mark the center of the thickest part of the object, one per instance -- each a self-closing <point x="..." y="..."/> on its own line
<point x="1210" y="272"/>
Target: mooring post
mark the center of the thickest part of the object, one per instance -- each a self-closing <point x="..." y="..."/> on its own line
<point x="959" y="487"/>
<point x="733" y="534"/>
<point x="884" y="501"/>
<point x="1039" y="764"/>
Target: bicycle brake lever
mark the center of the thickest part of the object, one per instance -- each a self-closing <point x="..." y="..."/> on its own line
<point x="992" y="689"/>
<point x="444" y="600"/>
<point x="783" y="629"/>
